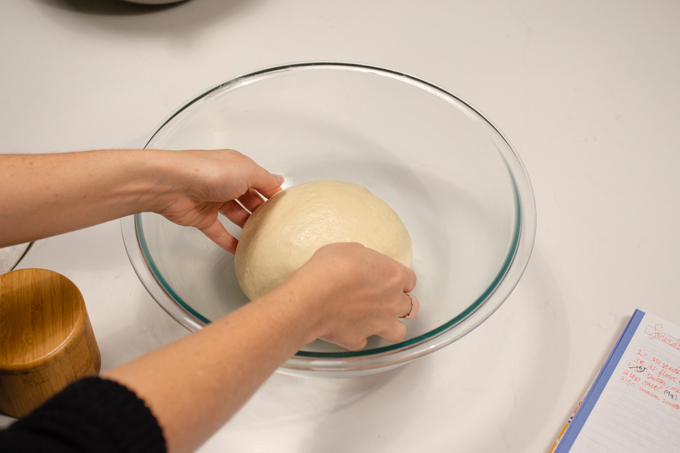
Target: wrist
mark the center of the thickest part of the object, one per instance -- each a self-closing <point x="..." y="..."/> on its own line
<point x="160" y="178"/>
<point x="308" y="296"/>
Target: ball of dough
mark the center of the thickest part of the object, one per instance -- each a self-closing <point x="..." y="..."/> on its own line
<point x="283" y="233"/>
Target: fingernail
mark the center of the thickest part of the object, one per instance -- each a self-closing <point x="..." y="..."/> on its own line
<point x="280" y="179"/>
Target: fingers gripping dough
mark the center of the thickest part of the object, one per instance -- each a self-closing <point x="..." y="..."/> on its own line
<point x="282" y="234"/>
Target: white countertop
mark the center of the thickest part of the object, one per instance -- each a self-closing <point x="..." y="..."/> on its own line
<point x="588" y="93"/>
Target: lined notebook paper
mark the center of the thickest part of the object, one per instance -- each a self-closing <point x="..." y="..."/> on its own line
<point x="634" y="404"/>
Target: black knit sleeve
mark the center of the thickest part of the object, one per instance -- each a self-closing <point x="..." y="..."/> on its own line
<point x="90" y="415"/>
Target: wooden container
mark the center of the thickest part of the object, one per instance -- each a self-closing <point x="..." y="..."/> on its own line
<point x="46" y="339"/>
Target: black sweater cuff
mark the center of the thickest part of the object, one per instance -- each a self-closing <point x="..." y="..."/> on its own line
<point x="90" y="415"/>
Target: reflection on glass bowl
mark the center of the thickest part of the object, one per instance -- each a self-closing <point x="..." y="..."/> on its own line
<point x="448" y="172"/>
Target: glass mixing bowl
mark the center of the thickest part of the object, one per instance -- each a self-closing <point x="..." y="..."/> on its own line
<point x="453" y="178"/>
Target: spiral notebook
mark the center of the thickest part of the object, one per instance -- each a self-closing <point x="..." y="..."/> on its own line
<point x="633" y="405"/>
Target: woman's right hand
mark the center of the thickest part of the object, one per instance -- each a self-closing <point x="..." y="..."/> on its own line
<point x="356" y="292"/>
<point x="343" y="294"/>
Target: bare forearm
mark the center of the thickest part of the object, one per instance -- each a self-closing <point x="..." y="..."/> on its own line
<point x="44" y="195"/>
<point x="212" y="373"/>
<point x="344" y="293"/>
<point x="47" y="194"/>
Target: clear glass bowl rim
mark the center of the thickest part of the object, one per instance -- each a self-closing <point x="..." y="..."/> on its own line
<point x="386" y="356"/>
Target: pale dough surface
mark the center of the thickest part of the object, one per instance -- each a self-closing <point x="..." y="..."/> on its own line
<point x="282" y="234"/>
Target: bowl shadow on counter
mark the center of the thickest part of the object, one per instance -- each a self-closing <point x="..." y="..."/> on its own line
<point x="296" y="400"/>
<point x="170" y="19"/>
<point x="401" y="422"/>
